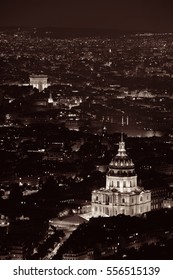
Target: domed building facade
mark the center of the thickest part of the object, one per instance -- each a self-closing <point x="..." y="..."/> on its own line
<point x="121" y="195"/>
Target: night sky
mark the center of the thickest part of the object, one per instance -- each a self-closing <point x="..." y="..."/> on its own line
<point x="123" y="15"/>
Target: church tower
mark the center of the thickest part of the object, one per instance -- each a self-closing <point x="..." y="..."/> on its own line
<point x="121" y="194"/>
<point x="50" y="99"/>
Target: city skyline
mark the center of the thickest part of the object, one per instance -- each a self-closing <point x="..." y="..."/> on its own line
<point x="86" y="135"/>
<point x="153" y="16"/>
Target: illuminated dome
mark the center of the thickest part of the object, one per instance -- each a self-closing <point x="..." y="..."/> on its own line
<point x="121" y="164"/>
<point x="122" y="195"/>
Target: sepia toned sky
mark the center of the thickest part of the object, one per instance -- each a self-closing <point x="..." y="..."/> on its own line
<point x="123" y="15"/>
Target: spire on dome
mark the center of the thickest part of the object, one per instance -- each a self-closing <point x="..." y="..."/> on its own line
<point x="121" y="163"/>
<point x="121" y="149"/>
<point x="122" y="137"/>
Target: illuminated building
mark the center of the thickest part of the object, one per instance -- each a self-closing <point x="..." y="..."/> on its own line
<point x="121" y="194"/>
<point x="83" y="255"/>
<point x="39" y="82"/>
<point x="168" y="203"/>
<point x="50" y="99"/>
<point x="4" y="225"/>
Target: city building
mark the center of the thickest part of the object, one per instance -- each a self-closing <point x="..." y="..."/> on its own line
<point x="121" y="194"/>
<point x="81" y="255"/>
<point x="158" y="197"/>
<point x="4" y="225"/>
<point x="39" y="81"/>
<point x="168" y="203"/>
<point x="18" y="251"/>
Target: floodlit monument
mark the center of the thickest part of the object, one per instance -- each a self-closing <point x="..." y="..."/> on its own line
<point x="39" y="82"/>
<point x="121" y="194"/>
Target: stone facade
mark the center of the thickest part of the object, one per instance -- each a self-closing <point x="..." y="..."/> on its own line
<point x="39" y="82"/>
<point x="121" y="194"/>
